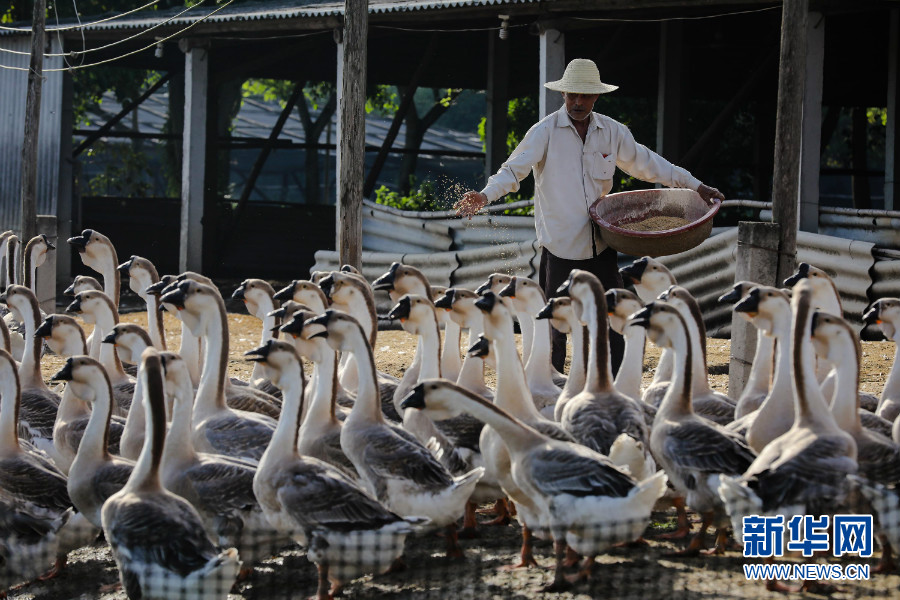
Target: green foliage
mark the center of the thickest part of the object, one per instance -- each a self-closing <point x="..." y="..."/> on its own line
<point x="125" y="173"/>
<point x="383" y="101"/>
<point x="877" y="116"/>
<point x="421" y="198"/>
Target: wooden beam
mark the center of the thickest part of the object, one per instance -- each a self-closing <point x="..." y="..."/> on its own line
<point x="495" y="127"/>
<point x="28" y="226"/>
<point x="352" y="119"/>
<point x="397" y="121"/>
<point x="810" y="157"/>
<point x="193" y="166"/>
<point x="106" y="128"/>
<point x="788" y="131"/>
<point x="258" y="165"/>
<point x="892" y="135"/>
<point x="551" y="65"/>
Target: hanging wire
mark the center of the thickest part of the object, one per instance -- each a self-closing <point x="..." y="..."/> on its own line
<point x="415" y="30"/>
<point x="127" y="54"/>
<point x="111" y="44"/>
<point x="665" y="19"/>
<point x="59" y="35"/>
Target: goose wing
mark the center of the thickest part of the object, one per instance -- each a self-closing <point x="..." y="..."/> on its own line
<point x="30" y="479"/>
<point x="320" y="495"/>
<point x="696" y="446"/>
<point x="880" y="460"/>
<point x="578" y="473"/>
<point x="223" y="483"/>
<point x="463" y="431"/>
<point x="553" y="431"/>
<point x="389" y="455"/>
<point x="239" y="434"/>
<point x="110" y="478"/>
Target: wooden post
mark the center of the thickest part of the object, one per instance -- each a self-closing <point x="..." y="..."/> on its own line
<point x="65" y="199"/>
<point x="858" y="142"/>
<point x="811" y="136"/>
<point x="352" y="141"/>
<point x="757" y="260"/>
<point x="193" y="166"/>
<point x="892" y="135"/>
<point x="32" y="124"/>
<point x="551" y="65"/>
<point x="495" y="127"/>
<point x="788" y="131"/>
<point x="670" y="92"/>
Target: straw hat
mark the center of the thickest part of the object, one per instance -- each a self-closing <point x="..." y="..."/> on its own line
<point x="581" y="77"/>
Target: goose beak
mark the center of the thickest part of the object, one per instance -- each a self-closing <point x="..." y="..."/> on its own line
<point x="75" y="307"/>
<point x="327" y="285"/>
<point x="749" y="304"/>
<point x="259" y="354"/>
<point x="611" y="300"/>
<point x="642" y="317"/>
<point x="45" y="330"/>
<point x="294" y="327"/>
<point x="445" y="301"/>
<point x="156" y="288"/>
<point x="510" y="290"/>
<point x="484" y="287"/>
<point x="125" y="267"/>
<point x="278" y="313"/>
<point x="174" y="297"/>
<point x="47" y="242"/>
<point x="386" y="281"/>
<point x="546" y="312"/>
<point x="873" y="315"/>
<point x="286" y="293"/>
<point x="320" y="320"/>
<point x="70" y="291"/>
<point x="64" y="374"/>
<point x="414" y="399"/>
<point x="401" y="310"/>
<point x="563" y="290"/>
<point x="731" y="297"/>
<point x="634" y="271"/>
<point x="486" y="302"/>
<point x="481" y="348"/>
<point x="238" y="294"/>
<point x="349" y="269"/>
<point x="111" y="338"/>
<point x="665" y="295"/>
<point x="802" y="273"/>
<point x="80" y="242"/>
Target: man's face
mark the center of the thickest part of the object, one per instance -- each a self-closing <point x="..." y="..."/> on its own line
<point x="579" y="106"/>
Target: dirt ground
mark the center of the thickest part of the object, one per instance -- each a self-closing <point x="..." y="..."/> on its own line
<point x="635" y="572"/>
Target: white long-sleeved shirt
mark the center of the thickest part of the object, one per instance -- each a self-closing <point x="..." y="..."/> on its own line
<point x="569" y="175"/>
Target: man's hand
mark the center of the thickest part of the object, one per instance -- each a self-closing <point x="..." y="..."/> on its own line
<point x="708" y="193"/>
<point x="470" y="203"/>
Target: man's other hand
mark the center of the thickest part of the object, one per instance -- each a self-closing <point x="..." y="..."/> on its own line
<point x="470" y="203"/>
<point x="708" y="193"/>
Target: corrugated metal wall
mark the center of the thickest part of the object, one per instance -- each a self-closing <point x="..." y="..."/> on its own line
<point x="13" y="86"/>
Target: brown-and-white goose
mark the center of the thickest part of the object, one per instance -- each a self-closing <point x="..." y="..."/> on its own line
<point x="497" y="282"/>
<point x="258" y="296"/>
<point x="451" y="362"/>
<point x="561" y="313"/>
<point x="885" y="312"/>
<point x="621" y="304"/>
<point x="157" y="537"/>
<point x="217" y="428"/>
<point x="141" y="275"/>
<point x="459" y="305"/>
<point x="131" y="340"/>
<point x="401" y="473"/>
<point x="189" y="350"/>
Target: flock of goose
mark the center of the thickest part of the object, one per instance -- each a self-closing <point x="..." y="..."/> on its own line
<point x="194" y="476"/>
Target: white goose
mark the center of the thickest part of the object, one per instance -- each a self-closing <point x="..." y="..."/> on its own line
<point x="98" y="253"/>
<point x="585" y="500"/>
<point x="12" y="255"/>
<point x="157" y="538"/>
<point x="451" y="362"/>
<point x="459" y="305"/>
<point x="258" y="296"/>
<point x="394" y="467"/>
<point x="621" y="304"/>
<point x="142" y="274"/>
<point x="560" y="311"/>
<point x="347" y="531"/>
<point x="692" y="450"/>
<point x="189" y="350"/>
<point x="217" y="427"/>
<point x="497" y="282"/>
<point x="885" y="312"/>
<point x="131" y="340"/>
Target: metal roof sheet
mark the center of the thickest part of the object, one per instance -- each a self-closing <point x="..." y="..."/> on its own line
<point x="271" y="10"/>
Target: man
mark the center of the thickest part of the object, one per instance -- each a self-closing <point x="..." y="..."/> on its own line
<point x="574" y="153"/>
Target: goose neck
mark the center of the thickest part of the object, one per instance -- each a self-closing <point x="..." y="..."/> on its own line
<point x="430" y="341"/>
<point x="95" y="442"/>
<point x="761" y="370"/>
<point x="284" y="440"/>
<point x="450" y="360"/>
<point x="599" y="372"/>
<point x="892" y="385"/>
<point x="9" y="414"/>
<point x="697" y="341"/>
<point x="810" y="408"/>
<point x="30" y="367"/>
<point x="538" y="369"/>
<point x="321" y="406"/>
<point x="190" y="353"/>
<point x="628" y="379"/>
<point x="512" y="394"/>
<point x="677" y="400"/>
<point x="517" y="436"/>
<point x="211" y="391"/>
<point x="471" y="373"/>
<point x="155" y="323"/>
<point x="845" y="402"/>
<point x="135" y="422"/>
<point x="146" y="471"/>
<point x="367" y="404"/>
<point x="178" y="447"/>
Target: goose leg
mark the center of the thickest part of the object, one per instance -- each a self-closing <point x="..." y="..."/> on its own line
<point x="773" y="585"/>
<point x="58" y="566"/>
<point x="469" y="523"/>
<point x="584" y="573"/>
<point x="684" y="525"/>
<point x="454" y="550"/>
<point x="503" y="514"/>
<point x="572" y="558"/>
<point x="527" y="555"/>
<point x="322" y="591"/>
<point x="721" y="543"/>
<point x="886" y="564"/>
<point x="696" y="544"/>
<point x="559" y="579"/>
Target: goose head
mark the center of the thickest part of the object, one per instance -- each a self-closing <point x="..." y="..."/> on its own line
<point x="766" y="306"/>
<point x="258" y="296"/>
<point x="305" y="292"/>
<point x="286" y="311"/>
<point x="832" y="336"/>
<point x="403" y="279"/>
<point x="37" y="248"/>
<point x="588" y="294"/>
<point x="824" y="292"/>
<point x="197" y="304"/>
<point x="130" y="340"/>
<point x="649" y="277"/>
<point x="345" y="289"/>
<point x="303" y="332"/>
<point x="685" y="302"/>
<point x="414" y="312"/>
<point x="481" y="348"/>
<point x="438" y="397"/>
<point x="338" y="328"/>
<point x="736" y="294"/>
<point x="526" y="294"/>
<point x="350" y="269"/>
<point x="63" y="334"/>
<point x="497" y="315"/>
<point x="82" y="283"/>
<point x="86" y="376"/>
<point x="460" y="306"/>
<point x="92" y="305"/>
<point x="279" y="359"/>
<point x="885" y="313"/>
<point x="141" y="273"/>
<point x="561" y="313"/>
<point x="620" y="304"/>
<point x="21" y="302"/>
<point x="176" y="377"/>
<point x="94" y="248"/>
<point x="664" y="323"/>
<point x="495" y="282"/>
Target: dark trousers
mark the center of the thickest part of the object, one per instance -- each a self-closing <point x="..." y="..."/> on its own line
<point x="555" y="271"/>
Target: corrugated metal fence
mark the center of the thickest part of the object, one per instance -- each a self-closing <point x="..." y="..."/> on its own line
<point x="463" y="253"/>
<point x="13" y="86"/>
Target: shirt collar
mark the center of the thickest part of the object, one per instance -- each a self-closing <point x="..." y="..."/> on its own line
<point x="563" y="120"/>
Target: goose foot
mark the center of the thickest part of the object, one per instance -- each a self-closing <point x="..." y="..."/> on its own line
<point x="398" y="566"/>
<point x="496" y="509"/>
<point x="109" y="588"/>
<point x="721" y="544"/>
<point x="468" y="530"/>
<point x="683" y="523"/>
<point x="527" y="559"/>
<point x="638" y="543"/>
<point x="560" y="583"/>
<point x="584" y="573"/>
<point x="773" y="585"/>
<point x="58" y="566"/>
<point x="817" y="587"/>
<point x="886" y="564"/>
<point x="572" y="558"/>
<point x="454" y="550"/>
